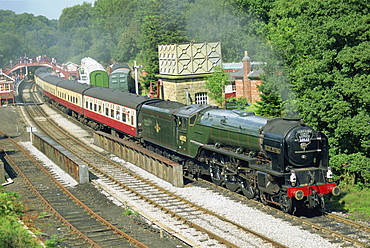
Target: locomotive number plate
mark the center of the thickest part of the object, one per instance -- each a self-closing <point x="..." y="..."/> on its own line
<point x="182" y="138"/>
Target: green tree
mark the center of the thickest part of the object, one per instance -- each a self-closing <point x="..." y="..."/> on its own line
<point x="221" y="21"/>
<point x="215" y="84"/>
<point x="325" y="46"/>
<point x="74" y="33"/>
<point x="270" y="104"/>
<point x="162" y="24"/>
<point x="25" y="34"/>
<point x="258" y="8"/>
<point x="352" y="169"/>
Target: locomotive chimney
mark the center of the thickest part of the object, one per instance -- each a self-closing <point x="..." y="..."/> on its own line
<point x="247" y="89"/>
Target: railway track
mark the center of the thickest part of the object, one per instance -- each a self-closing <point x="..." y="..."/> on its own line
<point x="92" y="228"/>
<point x="82" y="220"/>
<point x="178" y="213"/>
<point x="338" y="230"/>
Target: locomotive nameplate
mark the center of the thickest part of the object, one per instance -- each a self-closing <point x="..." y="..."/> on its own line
<point x="304" y="135"/>
<point x="272" y="149"/>
<point x="182" y="138"/>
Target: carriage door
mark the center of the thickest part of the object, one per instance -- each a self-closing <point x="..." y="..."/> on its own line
<point x="182" y="134"/>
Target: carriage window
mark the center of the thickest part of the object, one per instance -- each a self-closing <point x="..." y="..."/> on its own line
<point x="112" y="113"/>
<point x="107" y="111"/>
<point x="91" y="107"/>
<point x="124" y="113"/>
<point x="118" y="114"/>
<point x="95" y="107"/>
<point x="86" y="104"/>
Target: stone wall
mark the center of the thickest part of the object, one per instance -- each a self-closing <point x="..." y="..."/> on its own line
<point x="178" y="89"/>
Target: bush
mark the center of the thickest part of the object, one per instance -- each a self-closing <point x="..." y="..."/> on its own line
<point x="351" y="170"/>
<point x="9" y="205"/>
<point x="12" y="233"/>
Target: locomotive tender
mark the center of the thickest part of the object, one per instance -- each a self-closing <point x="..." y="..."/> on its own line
<point x="279" y="160"/>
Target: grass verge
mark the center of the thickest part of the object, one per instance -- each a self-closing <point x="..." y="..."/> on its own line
<point x="355" y="202"/>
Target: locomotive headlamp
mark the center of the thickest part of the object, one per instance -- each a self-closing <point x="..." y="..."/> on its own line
<point x="293" y="178"/>
<point x="299" y="195"/>
<point x="329" y="174"/>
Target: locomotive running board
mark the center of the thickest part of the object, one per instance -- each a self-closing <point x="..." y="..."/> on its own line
<point x="251" y="161"/>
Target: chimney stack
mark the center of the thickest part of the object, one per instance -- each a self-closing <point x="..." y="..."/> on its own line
<point x="246" y="81"/>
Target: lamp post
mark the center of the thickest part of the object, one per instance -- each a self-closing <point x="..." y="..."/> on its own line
<point x="136" y="81"/>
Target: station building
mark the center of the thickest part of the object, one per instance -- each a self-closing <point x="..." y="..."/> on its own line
<point x="7" y="89"/>
<point x="183" y="70"/>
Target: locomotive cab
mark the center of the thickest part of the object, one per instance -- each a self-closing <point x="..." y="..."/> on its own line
<point x="186" y="121"/>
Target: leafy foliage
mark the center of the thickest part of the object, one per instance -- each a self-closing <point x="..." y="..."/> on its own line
<point x="221" y="21"/>
<point x="325" y="53"/>
<point x="241" y="103"/>
<point x="352" y="170"/>
<point x="12" y="234"/>
<point x="215" y="84"/>
<point x="9" y="204"/>
<point x="162" y="24"/>
<point x="25" y="34"/>
<point x="270" y="103"/>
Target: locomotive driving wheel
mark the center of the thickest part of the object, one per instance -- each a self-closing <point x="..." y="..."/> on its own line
<point x="286" y="203"/>
<point x="231" y="180"/>
<point x="247" y="188"/>
<point x="215" y="169"/>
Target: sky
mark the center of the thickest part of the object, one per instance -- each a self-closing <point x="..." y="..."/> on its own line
<point x="52" y="9"/>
